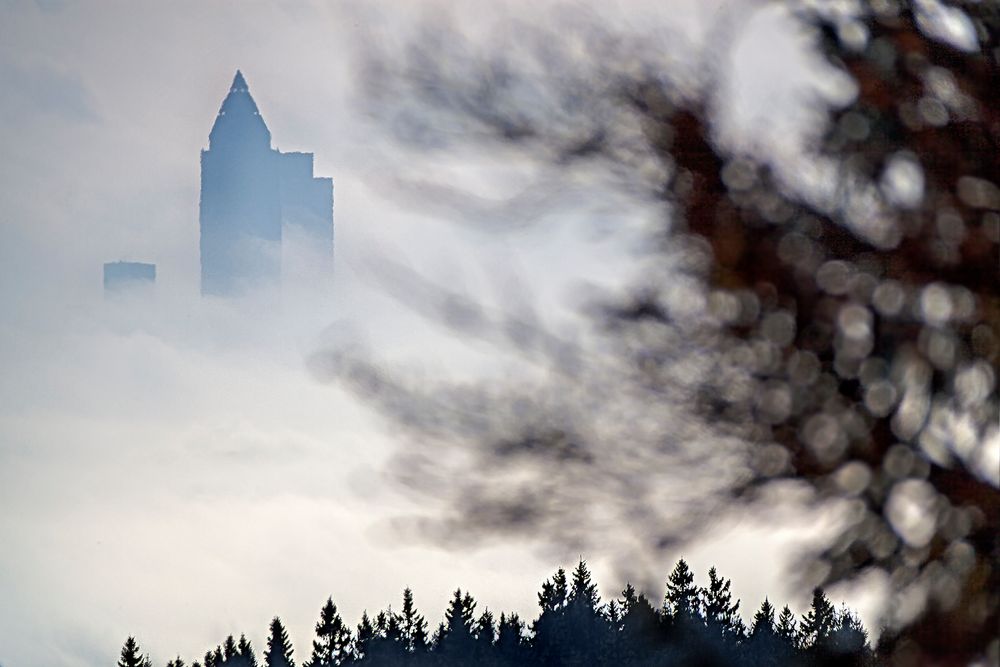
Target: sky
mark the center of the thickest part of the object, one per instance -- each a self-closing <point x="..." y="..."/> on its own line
<point x="170" y="467"/>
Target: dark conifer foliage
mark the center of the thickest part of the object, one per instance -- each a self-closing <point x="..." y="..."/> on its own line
<point x="366" y="633"/>
<point x="412" y="625"/>
<point x="682" y="603"/>
<point x="721" y="613"/>
<point x="132" y="656"/>
<point x="231" y="653"/>
<point x="457" y="636"/>
<point x="511" y="646"/>
<point x="244" y="654"/>
<point x="787" y="627"/>
<point x="694" y="626"/>
<point x="819" y="623"/>
<point x="763" y="620"/>
<point x="332" y="645"/>
<point x="279" y="647"/>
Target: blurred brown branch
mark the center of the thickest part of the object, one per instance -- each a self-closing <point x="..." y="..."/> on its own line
<point x="842" y="334"/>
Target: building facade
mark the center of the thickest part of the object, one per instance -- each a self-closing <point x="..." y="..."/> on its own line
<point x="251" y="194"/>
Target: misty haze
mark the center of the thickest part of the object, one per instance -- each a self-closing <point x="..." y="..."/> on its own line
<point x="441" y="333"/>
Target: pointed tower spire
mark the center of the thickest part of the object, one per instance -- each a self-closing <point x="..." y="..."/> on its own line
<point x="239" y="122"/>
<point x="239" y="84"/>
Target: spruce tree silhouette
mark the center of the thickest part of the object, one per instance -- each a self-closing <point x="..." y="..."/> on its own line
<point x="848" y="643"/>
<point x="553" y="594"/>
<point x="458" y="637"/>
<point x="763" y="620"/>
<point x="279" y="646"/>
<point x="365" y="636"/>
<point x="787" y="627"/>
<point x="388" y="645"/>
<point x="229" y="650"/>
<point x="572" y="629"/>
<point x="245" y="656"/>
<point x="583" y="591"/>
<point x="486" y="629"/>
<point x="721" y="613"/>
<point x="333" y="638"/>
<point x="640" y="632"/>
<point x="131" y="655"/>
<point x="413" y="625"/>
<point x="819" y="623"/>
<point x="764" y="646"/>
<point x="586" y="628"/>
<point x="511" y="645"/>
<point x="682" y="602"/>
<point x="549" y="628"/>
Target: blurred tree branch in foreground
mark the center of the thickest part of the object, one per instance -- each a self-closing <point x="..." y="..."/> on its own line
<point x="828" y="318"/>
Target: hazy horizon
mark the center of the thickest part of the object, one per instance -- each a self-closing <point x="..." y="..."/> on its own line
<point x="171" y="467"/>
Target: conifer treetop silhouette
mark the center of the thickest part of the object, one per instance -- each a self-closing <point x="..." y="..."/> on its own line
<point x="279" y="646"/>
<point x="574" y="632"/>
<point x="132" y="656"/>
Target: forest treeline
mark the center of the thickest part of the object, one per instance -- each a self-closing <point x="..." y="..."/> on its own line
<point x="694" y="625"/>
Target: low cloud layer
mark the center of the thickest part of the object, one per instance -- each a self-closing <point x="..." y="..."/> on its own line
<point x="170" y="467"/>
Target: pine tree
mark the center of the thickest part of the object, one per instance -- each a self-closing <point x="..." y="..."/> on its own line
<point x="468" y="610"/>
<point x="366" y="633"/>
<point x="850" y="635"/>
<point x="457" y="636"/>
<point x="787" y="627"/>
<point x="244" y="653"/>
<point x="612" y="613"/>
<point x="132" y="656"/>
<point x="437" y="641"/>
<point x="486" y="634"/>
<point x="765" y="647"/>
<point x="393" y="629"/>
<point x="640" y="624"/>
<point x="279" y="647"/>
<point x="583" y="590"/>
<point x="682" y="599"/>
<point x="763" y="620"/>
<point x="486" y="628"/>
<point x="229" y="649"/>
<point x="381" y="621"/>
<point x="333" y="638"/>
<point x="583" y="631"/>
<point x="554" y="592"/>
<point x="414" y="626"/>
<point x="629" y="598"/>
<point x="550" y="628"/>
<point x="721" y="614"/>
<point x="177" y="662"/>
<point x="819" y="623"/>
<point x="510" y="635"/>
<point x="388" y="646"/>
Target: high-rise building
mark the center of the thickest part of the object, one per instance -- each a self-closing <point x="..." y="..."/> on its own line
<point x="250" y="194"/>
<point x="120" y="276"/>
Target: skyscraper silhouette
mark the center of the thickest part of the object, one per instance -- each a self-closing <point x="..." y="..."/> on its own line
<point x="250" y="193"/>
